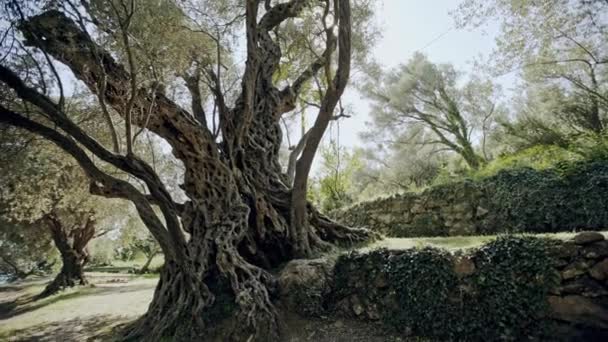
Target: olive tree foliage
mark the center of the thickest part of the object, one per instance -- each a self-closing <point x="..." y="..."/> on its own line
<point x="396" y="168"/>
<point x="560" y="48"/>
<point x="422" y="103"/>
<point x="44" y="198"/>
<point x="301" y="52"/>
<point x="334" y="183"/>
<point x="39" y="180"/>
<point x="240" y="215"/>
<point x="136" y="240"/>
<point x="539" y="119"/>
<point x="25" y="249"/>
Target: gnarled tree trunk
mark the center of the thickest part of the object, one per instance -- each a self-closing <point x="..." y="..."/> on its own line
<point x="72" y="245"/>
<point x="242" y="218"/>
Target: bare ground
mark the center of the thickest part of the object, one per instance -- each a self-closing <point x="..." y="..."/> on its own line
<point x="97" y="312"/>
<point x="73" y="315"/>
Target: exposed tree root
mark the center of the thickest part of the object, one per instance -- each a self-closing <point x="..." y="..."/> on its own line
<point x="72" y="245"/>
<point x="71" y="274"/>
<point x="337" y="233"/>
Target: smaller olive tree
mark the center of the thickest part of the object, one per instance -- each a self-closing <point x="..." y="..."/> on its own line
<point x="24" y="251"/>
<point x="42" y="188"/>
<point x="559" y="50"/>
<point x="135" y="239"/>
<point x="421" y="98"/>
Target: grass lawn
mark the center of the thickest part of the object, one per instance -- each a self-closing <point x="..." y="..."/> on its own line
<point x="119" y="266"/>
<point x="75" y="314"/>
<point x="452" y="242"/>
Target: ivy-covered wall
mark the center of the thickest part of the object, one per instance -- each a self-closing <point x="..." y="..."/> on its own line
<point x="571" y="196"/>
<point x="514" y="289"/>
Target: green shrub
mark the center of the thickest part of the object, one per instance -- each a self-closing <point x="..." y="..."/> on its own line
<point x="538" y="157"/>
<point x="424" y="281"/>
<point x="568" y="197"/>
<point x="524" y="200"/>
<point x="513" y="279"/>
<point x="352" y="264"/>
<point x="101" y="252"/>
<point x="505" y="298"/>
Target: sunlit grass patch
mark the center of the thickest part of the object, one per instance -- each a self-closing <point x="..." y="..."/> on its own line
<point x="452" y="242"/>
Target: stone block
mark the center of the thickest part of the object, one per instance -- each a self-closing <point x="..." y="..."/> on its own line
<point x="599" y="271"/>
<point x="575" y="269"/>
<point x="595" y="250"/>
<point x="464" y="266"/>
<point x="585" y="238"/>
<point x="578" y="310"/>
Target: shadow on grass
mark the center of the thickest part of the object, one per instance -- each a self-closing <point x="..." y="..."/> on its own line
<point x="28" y="303"/>
<point x="22" y="284"/>
<point x="10" y="288"/>
<point x="111" y="269"/>
<point x="97" y="328"/>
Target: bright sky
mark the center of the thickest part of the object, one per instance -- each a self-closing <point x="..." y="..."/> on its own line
<point x="419" y="25"/>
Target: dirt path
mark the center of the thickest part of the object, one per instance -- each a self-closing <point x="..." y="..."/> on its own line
<point x="73" y="315"/>
<point x="90" y="313"/>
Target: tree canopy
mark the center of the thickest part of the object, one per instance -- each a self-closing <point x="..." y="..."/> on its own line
<point x="423" y="103"/>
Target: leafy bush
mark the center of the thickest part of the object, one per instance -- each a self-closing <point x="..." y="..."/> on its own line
<point x="504" y="298"/>
<point x="539" y="157"/>
<point x="524" y="200"/>
<point x="513" y="279"/>
<point x="567" y="197"/>
<point x="424" y="282"/>
<point x="101" y="252"/>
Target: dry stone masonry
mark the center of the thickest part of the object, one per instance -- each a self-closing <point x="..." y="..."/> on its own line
<point x="531" y="288"/>
<point x="521" y="200"/>
<point x="449" y="211"/>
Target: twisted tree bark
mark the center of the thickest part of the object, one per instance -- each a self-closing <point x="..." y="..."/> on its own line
<point x="242" y="217"/>
<point x="72" y="245"/>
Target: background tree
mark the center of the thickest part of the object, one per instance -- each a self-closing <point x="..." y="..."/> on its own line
<point x="539" y="120"/>
<point x="394" y="168"/>
<point x="44" y="195"/>
<point x="559" y="48"/>
<point x="334" y="179"/>
<point x="424" y="99"/>
<point x="241" y="217"/>
<point x="25" y="250"/>
<point x="135" y="239"/>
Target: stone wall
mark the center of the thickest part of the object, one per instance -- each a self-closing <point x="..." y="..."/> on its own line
<point x="574" y="307"/>
<point x="445" y="211"/>
<point x="522" y="200"/>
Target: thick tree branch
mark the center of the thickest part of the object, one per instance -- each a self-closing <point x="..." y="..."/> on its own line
<point x="281" y="12"/>
<point x="299" y="224"/>
<point x="61" y="38"/>
<point x="293" y="158"/>
<point x="102" y="183"/>
<point x="290" y="93"/>
<point x="132" y="166"/>
<point x="193" y="85"/>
